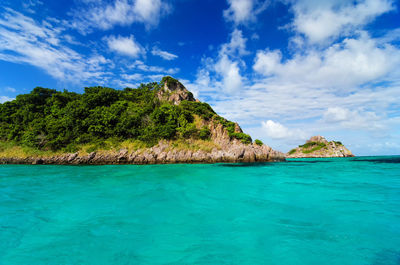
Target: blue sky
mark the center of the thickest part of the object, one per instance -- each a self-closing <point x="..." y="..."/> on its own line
<point x="285" y="70"/>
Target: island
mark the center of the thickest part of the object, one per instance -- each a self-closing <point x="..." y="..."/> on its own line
<point x="156" y="123"/>
<point x="318" y="146"/>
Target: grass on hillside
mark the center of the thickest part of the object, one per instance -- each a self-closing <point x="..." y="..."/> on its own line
<point x="9" y="149"/>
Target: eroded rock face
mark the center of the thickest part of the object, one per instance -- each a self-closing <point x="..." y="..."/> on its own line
<point x="318" y="146"/>
<point x="175" y="92"/>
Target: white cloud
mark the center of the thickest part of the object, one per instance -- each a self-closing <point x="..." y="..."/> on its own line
<point x="224" y="71"/>
<point x="355" y="120"/>
<point x="336" y="114"/>
<point x="353" y="62"/>
<point x="5" y="99"/>
<point x="243" y="11"/>
<point x="132" y="77"/>
<point x="149" y="11"/>
<point x="105" y="15"/>
<point x="31" y="5"/>
<point x="10" y="89"/>
<point x="229" y="62"/>
<point x="236" y="46"/>
<point x="275" y="130"/>
<point x="163" y="54"/>
<point x="23" y="40"/>
<point x="320" y="21"/>
<point x="267" y="62"/>
<point x="125" y="46"/>
<point x="229" y="70"/>
<point x="155" y="69"/>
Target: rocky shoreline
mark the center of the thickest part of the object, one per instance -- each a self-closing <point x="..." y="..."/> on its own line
<point x="159" y="154"/>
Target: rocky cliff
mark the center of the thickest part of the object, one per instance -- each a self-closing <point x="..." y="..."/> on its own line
<point x="318" y="146"/>
<point x="226" y="142"/>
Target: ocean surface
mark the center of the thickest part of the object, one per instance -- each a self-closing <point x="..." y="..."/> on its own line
<point x="304" y="211"/>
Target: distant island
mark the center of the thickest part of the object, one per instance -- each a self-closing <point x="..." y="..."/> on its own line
<point x="155" y="123"/>
<point x="318" y="146"/>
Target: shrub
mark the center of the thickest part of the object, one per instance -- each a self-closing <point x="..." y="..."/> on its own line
<point x="245" y="138"/>
<point x="258" y="142"/>
<point x="292" y="151"/>
<point x="338" y="143"/>
<point x="170" y="80"/>
<point x="204" y="133"/>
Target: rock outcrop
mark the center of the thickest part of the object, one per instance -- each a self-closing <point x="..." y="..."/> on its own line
<point x="174" y="91"/>
<point x="318" y="146"/>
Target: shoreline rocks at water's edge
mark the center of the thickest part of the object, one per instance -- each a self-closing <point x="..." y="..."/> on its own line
<point x="159" y="154"/>
<point x="229" y="151"/>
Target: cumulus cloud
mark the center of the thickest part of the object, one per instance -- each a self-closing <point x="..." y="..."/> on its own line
<point x="352" y="62"/>
<point x="125" y="46"/>
<point x="105" y="15"/>
<point x="355" y="119"/>
<point x="336" y="114"/>
<point x="5" y="99"/>
<point x="236" y="46"/>
<point x="224" y="71"/>
<point x="243" y="11"/>
<point x="320" y="21"/>
<point x="229" y="70"/>
<point x="275" y="130"/>
<point x="163" y="54"/>
<point x="267" y="62"/>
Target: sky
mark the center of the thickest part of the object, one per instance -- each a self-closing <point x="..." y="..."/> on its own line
<point x="285" y="70"/>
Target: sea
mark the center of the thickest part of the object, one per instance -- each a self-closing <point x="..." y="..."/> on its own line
<point x="303" y="211"/>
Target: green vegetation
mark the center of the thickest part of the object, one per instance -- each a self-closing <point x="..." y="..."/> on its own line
<point x="170" y="80"/>
<point x="47" y="120"/>
<point x="338" y="143"/>
<point x="230" y="126"/>
<point x="258" y="142"/>
<point x="313" y="145"/>
<point x="292" y="151"/>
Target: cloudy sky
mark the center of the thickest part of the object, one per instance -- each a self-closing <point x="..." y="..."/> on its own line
<point x="285" y="70"/>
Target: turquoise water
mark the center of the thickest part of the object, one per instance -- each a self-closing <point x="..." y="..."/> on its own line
<point x="314" y="211"/>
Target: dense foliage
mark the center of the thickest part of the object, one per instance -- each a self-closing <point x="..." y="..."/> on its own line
<point x="51" y="120"/>
<point x="258" y="142"/>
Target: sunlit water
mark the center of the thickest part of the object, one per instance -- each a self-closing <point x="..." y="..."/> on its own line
<point x="314" y="211"/>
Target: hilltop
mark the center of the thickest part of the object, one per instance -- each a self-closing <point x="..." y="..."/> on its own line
<point x="154" y="123"/>
<point x="318" y="146"/>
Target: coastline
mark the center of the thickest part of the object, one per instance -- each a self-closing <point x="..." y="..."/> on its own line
<point x="159" y="154"/>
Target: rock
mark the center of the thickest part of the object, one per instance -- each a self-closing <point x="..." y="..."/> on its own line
<point x="317" y="139"/>
<point x="318" y="146"/>
<point x="38" y="161"/>
<point x="123" y="155"/>
<point x="174" y="91"/>
<point x="71" y="157"/>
